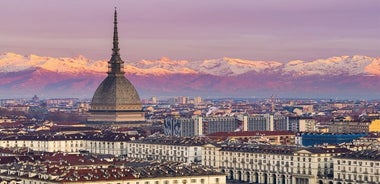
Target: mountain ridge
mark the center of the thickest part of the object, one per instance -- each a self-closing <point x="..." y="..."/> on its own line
<point x="351" y="65"/>
<point x="341" y="76"/>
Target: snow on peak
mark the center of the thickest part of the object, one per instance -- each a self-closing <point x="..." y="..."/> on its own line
<point x="231" y="67"/>
<point x="373" y="68"/>
<point x="342" y="65"/>
<point x="11" y="62"/>
<point x="162" y="66"/>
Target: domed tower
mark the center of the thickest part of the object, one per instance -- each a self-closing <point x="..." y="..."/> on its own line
<point x="116" y="100"/>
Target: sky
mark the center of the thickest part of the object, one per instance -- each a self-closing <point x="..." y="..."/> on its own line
<point x="276" y="30"/>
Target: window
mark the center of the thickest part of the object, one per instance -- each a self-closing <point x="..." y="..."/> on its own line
<point x="193" y="180"/>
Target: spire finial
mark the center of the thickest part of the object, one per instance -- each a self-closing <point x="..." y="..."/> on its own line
<point x="115" y="48"/>
<point x="115" y="65"/>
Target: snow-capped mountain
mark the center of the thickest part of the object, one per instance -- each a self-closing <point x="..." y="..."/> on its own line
<point x="342" y="65"/>
<point x="233" y="67"/>
<point x="11" y="62"/>
<point x="79" y="76"/>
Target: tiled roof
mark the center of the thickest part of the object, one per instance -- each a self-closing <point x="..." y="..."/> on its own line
<point x="61" y="167"/>
<point x="278" y="149"/>
<point x="180" y="141"/>
<point x="362" y="155"/>
<point x="249" y="133"/>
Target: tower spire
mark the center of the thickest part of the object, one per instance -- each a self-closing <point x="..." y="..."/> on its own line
<point x="115" y="48"/>
<point x="115" y="65"/>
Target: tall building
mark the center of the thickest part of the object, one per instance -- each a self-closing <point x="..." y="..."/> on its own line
<point x="197" y="100"/>
<point x="302" y="124"/>
<point x="349" y="127"/>
<point x="154" y="100"/>
<point x="182" y="100"/>
<point x="260" y="122"/>
<point x="198" y="125"/>
<point x="116" y="100"/>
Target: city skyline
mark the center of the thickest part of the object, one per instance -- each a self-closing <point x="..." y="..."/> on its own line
<point x="341" y="39"/>
<point x="255" y="30"/>
<point x="215" y="92"/>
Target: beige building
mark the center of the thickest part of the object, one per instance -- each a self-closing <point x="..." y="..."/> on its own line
<point x="357" y="167"/>
<point x="197" y="100"/>
<point x="349" y="127"/>
<point x="272" y="164"/>
<point x="307" y="125"/>
<point x="302" y="124"/>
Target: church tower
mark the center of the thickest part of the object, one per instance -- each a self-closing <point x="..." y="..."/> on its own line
<point x="116" y="100"/>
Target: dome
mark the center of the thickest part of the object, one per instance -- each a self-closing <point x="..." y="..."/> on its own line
<point x="116" y="93"/>
<point x="116" y="99"/>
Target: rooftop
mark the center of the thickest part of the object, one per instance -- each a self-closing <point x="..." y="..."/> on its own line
<point x="362" y="155"/>
<point x="63" y="167"/>
<point x="179" y="141"/>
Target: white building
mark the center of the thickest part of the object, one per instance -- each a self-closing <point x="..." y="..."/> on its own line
<point x="357" y="167"/>
<point x="301" y="124"/>
<point x="198" y="125"/>
<point x="114" y="144"/>
<point x="188" y="150"/>
<point x="272" y="164"/>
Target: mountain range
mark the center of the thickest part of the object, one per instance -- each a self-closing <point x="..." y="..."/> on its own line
<point x="334" y="77"/>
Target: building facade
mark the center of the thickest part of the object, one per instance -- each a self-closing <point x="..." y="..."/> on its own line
<point x="166" y="149"/>
<point x="272" y="164"/>
<point x="114" y="144"/>
<point x="349" y="127"/>
<point x="198" y="125"/>
<point x="301" y="124"/>
<point x="357" y="167"/>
